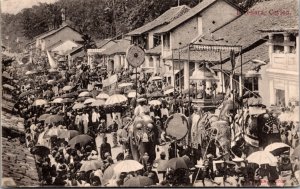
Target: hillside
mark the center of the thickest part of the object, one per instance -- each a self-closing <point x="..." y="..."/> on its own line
<point x="98" y="18"/>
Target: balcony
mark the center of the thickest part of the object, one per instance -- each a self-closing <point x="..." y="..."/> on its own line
<point x="284" y="61"/>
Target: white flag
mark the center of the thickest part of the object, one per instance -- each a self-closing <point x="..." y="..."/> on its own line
<point x="51" y="61"/>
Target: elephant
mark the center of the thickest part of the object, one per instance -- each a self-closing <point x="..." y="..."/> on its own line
<point x="143" y="137"/>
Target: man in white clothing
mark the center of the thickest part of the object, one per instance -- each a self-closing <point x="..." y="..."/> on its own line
<point x="95" y="118"/>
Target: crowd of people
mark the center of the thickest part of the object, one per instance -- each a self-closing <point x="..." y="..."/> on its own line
<point x="72" y="146"/>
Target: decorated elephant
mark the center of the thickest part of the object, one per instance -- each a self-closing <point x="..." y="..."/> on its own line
<point x="143" y="137"/>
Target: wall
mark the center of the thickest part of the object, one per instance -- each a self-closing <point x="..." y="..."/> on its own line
<point x="64" y="34"/>
<point x="213" y="14"/>
<point x="185" y="33"/>
<point x="65" y="46"/>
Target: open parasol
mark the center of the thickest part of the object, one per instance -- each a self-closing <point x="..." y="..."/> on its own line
<point x="91" y="165"/>
<point x="262" y="157"/>
<point x="277" y="148"/>
<point x="132" y="94"/>
<point x="177" y="126"/>
<point x="40" y="150"/>
<point x="155" y="78"/>
<point x="85" y="94"/>
<point x="138" y="181"/>
<point x="89" y="101"/>
<point x="43" y="117"/>
<point x="57" y="101"/>
<point x="155" y="102"/>
<point x="174" y="163"/>
<point x="39" y="102"/>
<point x="116" y="99"/>
<point x="102" y="96"/>
<point x="67" y="88"/>
<point x="78" y="106"/>
<point x="125" y="84"/>
<point x="128" y="166"/>
<point x="54" y="119"/>
<point x="68" y="134"/>
<point x="98" y="103"/>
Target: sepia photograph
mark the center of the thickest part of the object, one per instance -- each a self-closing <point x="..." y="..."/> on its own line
<point x="150" y="93"/>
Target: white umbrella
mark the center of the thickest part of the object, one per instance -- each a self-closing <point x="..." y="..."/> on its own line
<point x="39" y="102"/>
<point x="102" y="96"/>
<point x="125" y="84"/>
<point x="132" y="94"/>
<point x="262" y="157"/>
<point x="155" y="78"/>
<point x="78" y="106"/>
<point x="155" y="102"/>
<point x="57" y="101"/>
<point x="128" y="166"/>
<point x="30" y="72"/>
<point x="116" y="99"/>
<point x="85" y="93"/>
<point x="88" y="101"/>
<point x="275" y="146"/>
<point x="98" y="103"/>
<point x="169" y="91"/>
<point x="67" y="88"/>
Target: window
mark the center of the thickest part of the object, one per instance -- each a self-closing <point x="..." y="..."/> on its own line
<point x="156" y="40"/>
<point x="293" y="43"/>
<point x="251" y="83"/>
<point x="278" y="40"/>
<point x="280" y="97"/>
<point x="151" y="64"/>
<point x="166" y="41"/>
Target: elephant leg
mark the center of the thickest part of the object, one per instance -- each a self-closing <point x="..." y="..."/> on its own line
<point x="143" y="148"/>
<point x="151" y="152"/>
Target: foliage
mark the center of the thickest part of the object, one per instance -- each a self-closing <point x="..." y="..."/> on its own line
<point x="99" y="19"/>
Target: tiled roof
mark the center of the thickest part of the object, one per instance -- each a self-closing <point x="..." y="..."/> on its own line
<point x="261" y="52"/>
<point x="245" y="30"/>
<point x="190" y="14"/>
<point x="119" y="48"/>
<point x="165" y="18"/>
<point x="102" y="42"/>
<point x="54" y="31"/>
<point x="156" y="50"/>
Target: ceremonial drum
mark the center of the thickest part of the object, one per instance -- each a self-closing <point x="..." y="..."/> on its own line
<point x="177" y="126"/>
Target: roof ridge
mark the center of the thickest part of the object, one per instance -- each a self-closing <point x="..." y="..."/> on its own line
<point x="179" y="13"/>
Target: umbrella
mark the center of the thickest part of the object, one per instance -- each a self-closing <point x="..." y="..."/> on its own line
<point x="67" y="88"/>
<point x="156" y="94"/>
<point x="26" y="93"/>
<point x="98" y="103"/>
<point x="88" y="101"/>
<point x="86" y="93"/>
<point x="132" y="94"/>
<point x="262" y="157"/>
<point x="169" y="91"/>
<point x="39" y="102"/>
<point x="141" y="99"/>
<point x="57" y="101"/>
<point x="67" y="100"/>
<point x="69" y="95"/>
<point x="174" y="163"/>
<point x="54" y="119"/>
<point x="116" y="99"/>
<point x="155" y="102"/>
<point x="125" y="84"/>
<point x="52" y="70"/>
<point x="78" y="106"/>
<point x="68" y="134"/>
<point x="108" y="173"/>
<point x="82" y="99"/>
<point x="80" y="139"/>
<point x="40" y="150"/>
<point x="277" y="148"/>
<point x="161" y="165"/>
<point x="155" y="78"/>
<point x="51" y="82"/>
<point x="43" y="117"/>
<point x="102" y="96"/>
<point x="128" y="166"/>
<point x="30" y="72"/>
<point x="139" y="181"/>
<point x="91" y="165"/>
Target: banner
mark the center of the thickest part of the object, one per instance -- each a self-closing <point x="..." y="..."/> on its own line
<point x="52" y="62"/>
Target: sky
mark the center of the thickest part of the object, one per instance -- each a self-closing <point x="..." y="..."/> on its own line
<point x="15" y="6"/>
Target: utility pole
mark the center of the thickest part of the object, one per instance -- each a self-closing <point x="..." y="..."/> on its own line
<point x="178" y="2"/>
